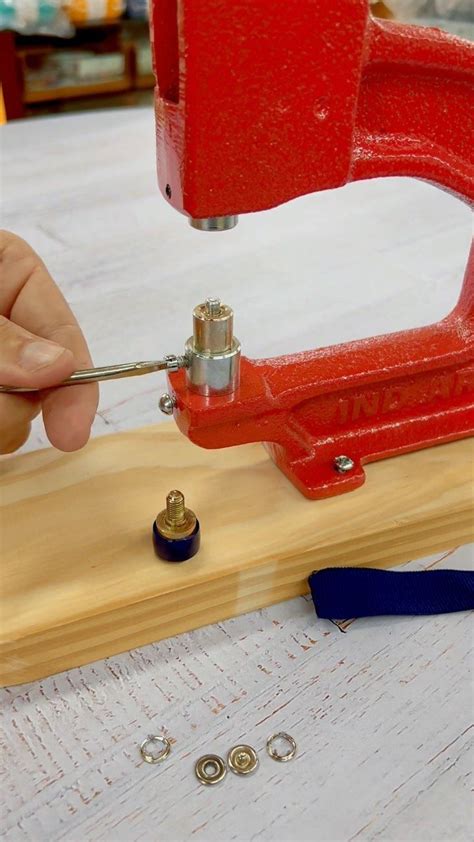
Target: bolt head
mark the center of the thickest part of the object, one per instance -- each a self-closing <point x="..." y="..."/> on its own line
<point x="344" y="464"/>
<point x="167" y="404"/>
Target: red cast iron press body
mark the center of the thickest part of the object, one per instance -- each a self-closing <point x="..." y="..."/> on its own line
<point x="258" y="102"/>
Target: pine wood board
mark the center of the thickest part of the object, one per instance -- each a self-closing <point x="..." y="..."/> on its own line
<point x="80" y="579"/>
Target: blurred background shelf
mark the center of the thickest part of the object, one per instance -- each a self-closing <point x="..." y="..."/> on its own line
<point x="74" y="91"/>
<point x="145" y="82"/>
<point x="102" y="64"/>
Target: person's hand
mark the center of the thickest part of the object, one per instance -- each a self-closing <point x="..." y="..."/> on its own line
<point x="40" y="345"/>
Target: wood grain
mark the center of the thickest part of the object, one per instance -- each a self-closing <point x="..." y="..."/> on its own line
<point x="381" y="715"/>
<point x="81" y="581"/>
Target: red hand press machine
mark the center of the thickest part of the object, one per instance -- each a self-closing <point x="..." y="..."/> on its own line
<point x="260" y="101"/>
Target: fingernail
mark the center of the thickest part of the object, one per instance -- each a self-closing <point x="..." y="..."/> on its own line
<point x="35" y="355"/>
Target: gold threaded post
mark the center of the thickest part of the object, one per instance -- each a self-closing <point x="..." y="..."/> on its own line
<point x="176" y="521"/>
<point x="175" y="509"/>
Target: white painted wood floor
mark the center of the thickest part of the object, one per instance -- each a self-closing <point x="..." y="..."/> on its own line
<point x="382" y="714"/>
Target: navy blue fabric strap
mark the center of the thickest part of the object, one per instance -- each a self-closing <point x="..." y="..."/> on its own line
<point x="341" y="593"/>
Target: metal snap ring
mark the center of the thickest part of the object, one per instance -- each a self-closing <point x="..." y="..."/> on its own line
<point x="210" y="769"/>
<point x="272" y="751"/>
<point x="154" y="740"/>
<point x="242" y="759"/>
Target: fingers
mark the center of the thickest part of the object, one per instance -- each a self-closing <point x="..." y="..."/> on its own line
<point x="29" y="296"/>
<point x="29" y="361"/>
<point x="68" y="413"/>
<point x="16" y="414"/>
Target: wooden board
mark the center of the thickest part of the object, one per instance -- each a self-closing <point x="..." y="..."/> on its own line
<point x="80" y="579"/>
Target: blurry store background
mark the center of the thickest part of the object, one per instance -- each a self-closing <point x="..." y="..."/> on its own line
<point x="69" y="55"/>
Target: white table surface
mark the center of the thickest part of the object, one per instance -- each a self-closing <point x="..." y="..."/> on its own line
<point x="382" y="713"/>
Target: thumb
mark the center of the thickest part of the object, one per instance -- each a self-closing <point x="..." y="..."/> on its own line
<point x="31" y="361"/>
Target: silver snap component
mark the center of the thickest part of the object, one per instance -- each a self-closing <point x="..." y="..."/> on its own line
<point x="146" y="749"/>
<point x="210" y="769"/>
<point x="242" y="760"/>
<point x="272" y="751"/>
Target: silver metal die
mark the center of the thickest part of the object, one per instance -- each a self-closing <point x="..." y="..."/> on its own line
<point x="214" y="223"/>
<point x="213" y="352"/>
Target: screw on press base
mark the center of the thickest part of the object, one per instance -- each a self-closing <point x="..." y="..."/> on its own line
<point x="176" y="530"/>
<point x="344" y="464"/>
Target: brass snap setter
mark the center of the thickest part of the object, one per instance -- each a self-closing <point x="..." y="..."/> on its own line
<point x="242" y="760"/>
<point x="210" y="769"/>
